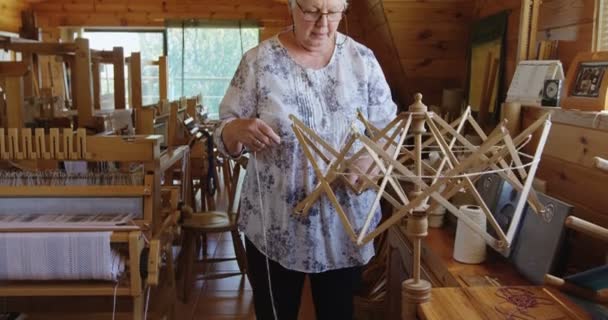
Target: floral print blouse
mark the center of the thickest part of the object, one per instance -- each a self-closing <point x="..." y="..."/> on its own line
<point x="270" y="85"/>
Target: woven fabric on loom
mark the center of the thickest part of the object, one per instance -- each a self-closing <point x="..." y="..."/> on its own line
<point x="58" y="256"/>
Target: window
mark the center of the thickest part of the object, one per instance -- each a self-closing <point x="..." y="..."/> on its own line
<point x="602" y="26"/>
<point x="151" y="45"/>
<point x="203" y="57"/>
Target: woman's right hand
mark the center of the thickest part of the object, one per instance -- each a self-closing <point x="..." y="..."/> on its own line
<point x="254" y="134"/>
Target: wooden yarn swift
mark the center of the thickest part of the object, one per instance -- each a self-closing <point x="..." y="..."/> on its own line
<point x="461" y="163"/>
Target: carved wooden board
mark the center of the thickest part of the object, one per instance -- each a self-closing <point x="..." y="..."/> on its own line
<point x="512" y="303"/>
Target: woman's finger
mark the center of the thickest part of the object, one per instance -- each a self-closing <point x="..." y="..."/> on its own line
<point x="268" y="133"/>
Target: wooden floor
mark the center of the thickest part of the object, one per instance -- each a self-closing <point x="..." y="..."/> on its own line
<point x="228" y="298"/>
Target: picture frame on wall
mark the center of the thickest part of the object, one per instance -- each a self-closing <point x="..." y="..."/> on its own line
<point x="587" y="82"/>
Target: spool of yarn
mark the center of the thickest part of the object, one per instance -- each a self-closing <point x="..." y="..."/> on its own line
<point x="436" y="217"/>
<point x="469" y="246"/>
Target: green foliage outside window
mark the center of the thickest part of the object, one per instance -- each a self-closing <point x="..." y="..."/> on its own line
<point x="203" y="58"/>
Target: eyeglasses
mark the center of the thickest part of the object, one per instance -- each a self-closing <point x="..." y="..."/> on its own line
<point x="314" y="16"/>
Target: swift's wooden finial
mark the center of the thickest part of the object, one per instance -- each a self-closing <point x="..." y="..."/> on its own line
<point x="418" y="106"/>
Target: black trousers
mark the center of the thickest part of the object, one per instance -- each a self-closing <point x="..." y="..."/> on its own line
<point x="332" y="291"/>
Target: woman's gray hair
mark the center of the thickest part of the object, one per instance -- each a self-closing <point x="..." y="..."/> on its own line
<point x="292" y="4"/>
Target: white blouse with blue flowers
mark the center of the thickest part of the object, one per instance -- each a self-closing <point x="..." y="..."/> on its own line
<point x="270" y="85"/>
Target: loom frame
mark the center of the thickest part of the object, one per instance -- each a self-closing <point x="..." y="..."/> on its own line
<point x="157" y="224"/>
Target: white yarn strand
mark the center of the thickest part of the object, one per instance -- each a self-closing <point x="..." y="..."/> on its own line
<point x="457" y="176"/>
<point x="114" y="302"/>
<point x="147" y="303"/>
<point x="262" y="214"/>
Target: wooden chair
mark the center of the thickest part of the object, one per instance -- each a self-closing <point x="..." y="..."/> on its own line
<point x="198" y="224"/>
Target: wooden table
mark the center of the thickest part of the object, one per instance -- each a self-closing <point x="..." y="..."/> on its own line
<point x="447" y="276"/>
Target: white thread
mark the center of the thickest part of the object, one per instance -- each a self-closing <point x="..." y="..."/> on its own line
<point x="464" y="175"/>
<point x="262" y="214"/>
<point x="147" y="301"/>
<point x="114" y="303"/>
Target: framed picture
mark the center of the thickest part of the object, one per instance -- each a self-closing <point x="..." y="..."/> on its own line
<point x="587" y="82"/>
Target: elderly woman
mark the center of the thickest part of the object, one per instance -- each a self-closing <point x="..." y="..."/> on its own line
<point x="322" y="77"/>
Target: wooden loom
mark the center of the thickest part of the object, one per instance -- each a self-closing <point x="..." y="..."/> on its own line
<point x="396" y="161"/>
<point x="117" y="60"/>
<point x="154" y="222"/>
<point x="78" y="56"/>
<point x="136" y="66"/>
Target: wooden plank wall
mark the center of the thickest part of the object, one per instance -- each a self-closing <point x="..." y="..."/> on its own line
<point x="10" y="14"/>
<point x="421" y="46"/>
<point x="570" y="21"/>
<point x="372" y="30"/>
<point x="567" y="167"/>
<point x="273" y="14"/>
<point x="567" y="20"/>
<point x="431" y="39"/>
<point x="566" y="161"/>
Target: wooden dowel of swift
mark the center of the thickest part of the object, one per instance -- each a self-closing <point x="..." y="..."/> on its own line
<point x="316" y="149"/>
<point x="443" y="162"/>
<point x="600" y="163"/>
<point x="391" y="180"/>
<point x="387" y="173"/>
<point x="531" y="173"/>
<point x="468" y="183"/>
<point x="492" y="140"/>
<point x="329" y="177"/>
<point x="515" y="157"/>
<point x="587" y="228"/>
<point x="328" y="190"/>
<point x="429" y="141"/>
<point x="401" y="127"/>
<point x="512" y="178"/>
<point x="313" y="135"/>
<point x="517" y="140"/>
<point x="568" y="287"/>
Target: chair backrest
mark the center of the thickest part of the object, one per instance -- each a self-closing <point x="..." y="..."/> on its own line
<point x="238" y="177"/>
